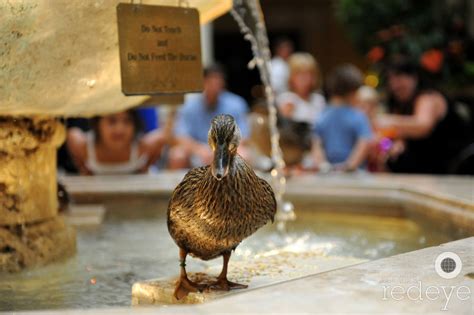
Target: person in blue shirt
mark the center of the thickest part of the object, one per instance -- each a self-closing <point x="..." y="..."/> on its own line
<point x="343" y="132"/>
<point x="194" y="119"/>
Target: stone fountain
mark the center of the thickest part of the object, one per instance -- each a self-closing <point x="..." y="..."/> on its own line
<point x="60" y="59"/>
<point x="31" y="232"/>
<point x="57" y="59"/>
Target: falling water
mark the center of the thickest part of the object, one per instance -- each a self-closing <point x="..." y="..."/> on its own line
<point x="249" y="17"/>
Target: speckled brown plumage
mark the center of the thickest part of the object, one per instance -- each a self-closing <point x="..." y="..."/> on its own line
<point x="208" y="217"/>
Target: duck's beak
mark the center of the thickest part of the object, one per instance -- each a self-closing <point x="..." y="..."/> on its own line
<point x="220" y="164"/>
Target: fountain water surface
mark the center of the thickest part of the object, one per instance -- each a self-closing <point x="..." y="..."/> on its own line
<point x="133" y="244"/>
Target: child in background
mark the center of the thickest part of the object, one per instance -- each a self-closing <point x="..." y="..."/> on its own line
<point x="368" y="101"/>
<point x="115" y="145"/>
<point x="302" y="103"/>
<point x="343" y="132"/>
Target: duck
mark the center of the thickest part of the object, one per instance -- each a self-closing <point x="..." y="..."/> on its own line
<point x="217" y="206"/>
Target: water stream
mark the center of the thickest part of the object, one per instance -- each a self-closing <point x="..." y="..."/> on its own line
<point x="248" y="15"/>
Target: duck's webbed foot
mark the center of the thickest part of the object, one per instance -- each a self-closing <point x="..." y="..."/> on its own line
<point x="222" y="284"/>
<point x="186" y="286"/>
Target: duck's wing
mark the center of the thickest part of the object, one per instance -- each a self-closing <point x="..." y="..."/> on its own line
<point x="184" y="194"/>
<point x="269" y="205"/>
<point x="260" y="208"/>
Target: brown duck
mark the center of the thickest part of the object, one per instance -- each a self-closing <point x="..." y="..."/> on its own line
<point x="216" y="206"/>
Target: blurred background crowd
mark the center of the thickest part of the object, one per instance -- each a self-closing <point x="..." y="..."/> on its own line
<point x="361" y="86"/>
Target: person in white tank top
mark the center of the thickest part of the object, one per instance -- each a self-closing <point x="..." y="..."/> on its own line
<point x="115" y="146"/>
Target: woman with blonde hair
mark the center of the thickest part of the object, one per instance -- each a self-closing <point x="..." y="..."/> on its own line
<point x="302" y="103"/>
<point x="299" y="109"/>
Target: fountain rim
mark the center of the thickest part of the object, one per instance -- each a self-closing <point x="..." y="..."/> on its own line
<point x="347" y="194"/>
<point x="355" y="192"/>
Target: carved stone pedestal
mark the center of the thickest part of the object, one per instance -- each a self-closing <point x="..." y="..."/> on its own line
<point x="31" y="233"/>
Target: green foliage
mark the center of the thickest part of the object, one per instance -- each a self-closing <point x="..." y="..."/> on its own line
<point x="430" y="33"/>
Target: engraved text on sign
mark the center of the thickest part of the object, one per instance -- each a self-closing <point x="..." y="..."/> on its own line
<point x="160" y="49"/>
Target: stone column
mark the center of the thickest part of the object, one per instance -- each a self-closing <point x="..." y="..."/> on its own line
<point x="31" y="232"/>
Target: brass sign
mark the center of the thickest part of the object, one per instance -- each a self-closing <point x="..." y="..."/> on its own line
<point x="160" y="49"/>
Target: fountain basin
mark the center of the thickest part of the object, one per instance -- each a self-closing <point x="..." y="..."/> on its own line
<point x="343" y="221"/>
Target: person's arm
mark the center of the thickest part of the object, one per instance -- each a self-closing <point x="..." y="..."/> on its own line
<point x="193" y="147"/>
<point x="317" y="149"/>
<point x="76" y="143"/>
<point x="319" y="156"/>
<point x="429" y="109"/>
<point x="152" y="144"/>
<point x="184" y="139"/>
<point x="285" y="104"/>
<point x="360" y="151"/>
<point x="358" y="155"/>
<point x="287" y="110"/>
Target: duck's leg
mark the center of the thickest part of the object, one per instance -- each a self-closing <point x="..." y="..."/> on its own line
<point x="222" y="283"/>
<point x="184" y="285"/>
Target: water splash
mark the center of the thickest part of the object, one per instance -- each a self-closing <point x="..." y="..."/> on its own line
<point x="249" y="17"/>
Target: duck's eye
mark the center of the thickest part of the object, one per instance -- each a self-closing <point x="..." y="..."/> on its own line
<point x="213" y="145"/>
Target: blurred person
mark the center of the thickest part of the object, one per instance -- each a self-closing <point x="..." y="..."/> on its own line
<point x="302" y="103"/>
<point x="194" y="119"/>
<point x="299" y="109"/>
<point x="343" y="131"/>
<point x="368" y="101"/>
<point x="115" y="145"/>
<point x="279" y="73"/>
<point x="149" y="118"/>
<point x="432" y="133"/>
<point x="65" y="161"/>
